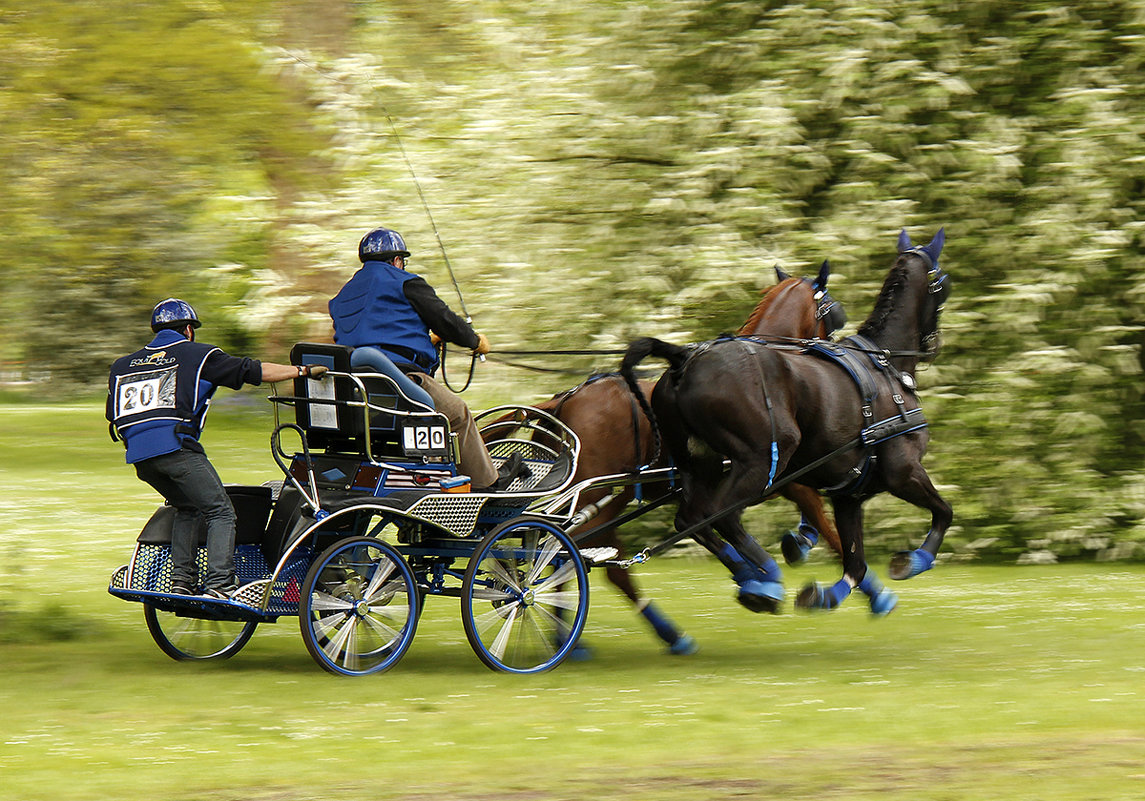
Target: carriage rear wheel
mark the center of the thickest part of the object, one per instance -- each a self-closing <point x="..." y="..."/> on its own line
<point x="524" y="599"/>
<point x="189" y="639"/>
<point x="359" y="607"/>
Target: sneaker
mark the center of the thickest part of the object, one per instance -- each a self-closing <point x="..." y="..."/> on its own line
<point x="181" y="588"/>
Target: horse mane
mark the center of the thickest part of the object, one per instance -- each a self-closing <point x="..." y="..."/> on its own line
<point x="887" y="301"/>
<point x="769" y="297"/>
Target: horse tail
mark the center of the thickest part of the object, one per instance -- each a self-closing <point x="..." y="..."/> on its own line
<point x="637" y="352"/>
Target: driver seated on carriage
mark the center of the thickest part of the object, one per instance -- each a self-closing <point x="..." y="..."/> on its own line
<point x="386" y="314"/>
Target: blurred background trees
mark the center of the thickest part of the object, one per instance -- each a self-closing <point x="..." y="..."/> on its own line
<point x="602" y="170"/>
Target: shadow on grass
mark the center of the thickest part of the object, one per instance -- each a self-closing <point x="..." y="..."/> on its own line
<point x="52" y="622"/>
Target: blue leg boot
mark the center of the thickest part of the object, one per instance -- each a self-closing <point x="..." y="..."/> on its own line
<point x="760" y="589"/>
<point x="908" y="564"/>
<point x="797" y="544"/>
<point x="882" y="600"/>
<point x="817" y="596"/>
<point x="679" y="644"/>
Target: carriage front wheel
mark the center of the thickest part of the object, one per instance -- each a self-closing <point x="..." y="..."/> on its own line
<point x="359" y="607"/>
<point x="524" y="599"/>
<point x="189" y="639"/>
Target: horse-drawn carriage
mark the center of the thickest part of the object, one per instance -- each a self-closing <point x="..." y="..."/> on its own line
<point x="371" y="518"/>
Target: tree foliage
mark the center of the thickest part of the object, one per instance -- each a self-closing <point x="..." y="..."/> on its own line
<point x="604" y="169"/>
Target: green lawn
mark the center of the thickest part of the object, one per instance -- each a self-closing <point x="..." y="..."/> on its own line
<point x="987" y="682"/>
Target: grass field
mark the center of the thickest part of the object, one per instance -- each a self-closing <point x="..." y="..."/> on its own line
<point x="988" y="682"/>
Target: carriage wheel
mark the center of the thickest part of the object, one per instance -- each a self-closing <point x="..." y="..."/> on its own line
<point x="524" y="599"/>
<point x="359" y="607"/>
<point x="188" y="639"/>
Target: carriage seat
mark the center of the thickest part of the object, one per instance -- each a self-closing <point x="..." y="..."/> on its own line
<point x="340" y="427"/>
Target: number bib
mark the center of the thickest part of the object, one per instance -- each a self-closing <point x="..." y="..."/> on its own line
<point x="137" y="393"/>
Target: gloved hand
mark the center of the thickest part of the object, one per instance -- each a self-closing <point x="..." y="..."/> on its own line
<point x="482" y="345"/>
<point x="315" y="370"/>
<point x="434" y="339"/>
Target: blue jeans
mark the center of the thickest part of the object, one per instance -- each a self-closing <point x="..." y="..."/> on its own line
<point x="188" y="481"/>
<point x="378" y="361"/>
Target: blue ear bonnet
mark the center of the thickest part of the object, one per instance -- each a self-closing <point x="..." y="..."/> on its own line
<point x="939" y="281"/>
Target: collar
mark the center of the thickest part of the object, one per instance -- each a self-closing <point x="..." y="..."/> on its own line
<point x="166" y="338"/>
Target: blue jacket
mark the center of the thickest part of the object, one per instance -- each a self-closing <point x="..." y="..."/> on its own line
<point x="158" y="397"/>
<point x="372" y="309"/>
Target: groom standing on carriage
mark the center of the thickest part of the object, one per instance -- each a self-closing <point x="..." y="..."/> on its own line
<point x="157" y="402"/>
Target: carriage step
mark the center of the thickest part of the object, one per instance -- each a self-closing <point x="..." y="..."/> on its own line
<point x="251" y="594"/>
<point x="598" y="555"/>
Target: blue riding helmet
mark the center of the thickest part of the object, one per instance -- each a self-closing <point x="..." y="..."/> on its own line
<point x="173" y="313"/>
<point x="382" y="244"/>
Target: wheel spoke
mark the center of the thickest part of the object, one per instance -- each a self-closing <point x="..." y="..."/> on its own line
<point x="327" y="625"/>
<point x="381" y="573"/>
<point x="501" y="641"/>
<point x="566" y="599"/>
<point x="325" y="602"/>
<point x="378" y="625"/>
<point x="558" y="577"/>
<point x="498" y="569"/>
<point x="486" y="593"/>
<point x="551" y="547"/>
<point x="547" y="638"/>
<point x="336" y="645"/>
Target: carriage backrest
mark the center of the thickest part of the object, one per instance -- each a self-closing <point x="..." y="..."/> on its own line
<point x="333" y="410"/>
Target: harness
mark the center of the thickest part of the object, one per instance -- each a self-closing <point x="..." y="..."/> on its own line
<point x="858" y="361"/>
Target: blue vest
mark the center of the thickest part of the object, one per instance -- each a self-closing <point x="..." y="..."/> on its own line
<point x="157" y="397"/>
<point x="372" y="309"/>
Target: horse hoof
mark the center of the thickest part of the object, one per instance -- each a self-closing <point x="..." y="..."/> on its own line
<point x="684" y="646"/>
<point x="761" y="596"/>
<point x="814" y="597"/>
<point x="810" y="597"/>
<point x="908" y="564"/>
<point x="884" y="603"/>
<point x="795" y="548"/>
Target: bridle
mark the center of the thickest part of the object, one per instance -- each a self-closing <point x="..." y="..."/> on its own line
<point x="827" y="309"/>
<point x="938" y="284"/>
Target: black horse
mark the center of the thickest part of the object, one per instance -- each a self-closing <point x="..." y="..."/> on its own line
<point x="842" y="419"/>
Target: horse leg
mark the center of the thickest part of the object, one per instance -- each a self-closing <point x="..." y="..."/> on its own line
<point x="754" y="570"/>
<point x="677" y="641"/>
<point x="882" y="601"/>
<point x="849" y="519"/>
<point x="917" y="488"/>
<point x="797" y="544"/>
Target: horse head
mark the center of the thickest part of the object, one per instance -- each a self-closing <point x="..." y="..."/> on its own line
<point x="799" y="308"/>
<point x="906" y="314"/>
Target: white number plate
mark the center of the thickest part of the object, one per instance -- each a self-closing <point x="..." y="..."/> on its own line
<point x="424" y="440"/>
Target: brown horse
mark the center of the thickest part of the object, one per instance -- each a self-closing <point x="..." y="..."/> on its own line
<point x="616" y="437"/>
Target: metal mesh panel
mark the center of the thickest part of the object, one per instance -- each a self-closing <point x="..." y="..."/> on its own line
<point x="456" y="514"/>
<point x="287" y="592"/>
